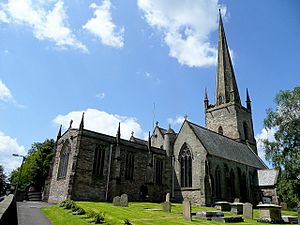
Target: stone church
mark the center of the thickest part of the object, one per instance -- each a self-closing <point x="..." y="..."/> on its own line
<point x="203" y="164"/>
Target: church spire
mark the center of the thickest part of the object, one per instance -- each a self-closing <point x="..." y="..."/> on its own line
<point x="206" y="99"/>
<point x="227" y="90"/>
<point x="248" y="100"/>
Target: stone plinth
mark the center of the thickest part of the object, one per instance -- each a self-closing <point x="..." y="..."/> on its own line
<point x="222" y="206"/>
<point x="270" y="213"/>
<point x="236" y="208"/>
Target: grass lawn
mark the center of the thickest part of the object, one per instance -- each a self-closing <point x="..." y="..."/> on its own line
<point x="139" y="213"/>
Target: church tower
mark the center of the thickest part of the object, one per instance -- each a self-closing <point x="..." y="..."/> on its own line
<point x="228" y="117"/>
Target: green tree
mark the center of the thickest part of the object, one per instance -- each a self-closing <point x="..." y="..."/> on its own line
<point x="2" y="181"/>
<point x="36" y="167"/>
<point x="284" y="151"/>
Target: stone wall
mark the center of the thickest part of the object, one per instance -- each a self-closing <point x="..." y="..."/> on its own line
<point x="196" y="193"/>
<point x="8" y="211"/>
<point x="60" y="188"/>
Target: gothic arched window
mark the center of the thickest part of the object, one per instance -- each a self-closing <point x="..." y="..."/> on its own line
<point x="245" y="127"/>
<point x="220" y="130"/>
<point x="99" y="161"/>
<point x="63" y="161"/>
<point x="185" y="159"/>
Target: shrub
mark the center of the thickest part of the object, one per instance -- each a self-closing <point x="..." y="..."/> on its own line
<point x="69" y="204"/>
<point x="62" y="203"/>
<point x="98" y="218"/>
<point x="127" y="222"/>
<point x="79" y="211"/>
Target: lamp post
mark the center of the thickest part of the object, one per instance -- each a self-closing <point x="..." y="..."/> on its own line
<point x="20" y="172"/>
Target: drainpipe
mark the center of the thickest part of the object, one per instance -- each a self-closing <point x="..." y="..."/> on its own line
<point x="108" y="173"/>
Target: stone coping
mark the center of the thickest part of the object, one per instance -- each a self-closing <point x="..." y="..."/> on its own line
<point x="222" y="203"/>
<point x="236" y="203"/>
<point x="268" y="206"/>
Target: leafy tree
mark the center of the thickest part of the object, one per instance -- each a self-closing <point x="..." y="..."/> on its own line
<point x="36" y="167"/>
<point x="284" y="151"/>
<point x="2" y="181"/>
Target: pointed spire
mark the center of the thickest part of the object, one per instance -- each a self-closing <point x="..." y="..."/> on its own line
<point x="226" y="90"/>
<point x="118" y="136"/>
<point x="81" y="126"/>
<point x="149" y="142"/>
<point x="206" y="99"/>
<point x="59" y="133"/>
<point x="248" y="100"/>
<point x="71" y="122"/>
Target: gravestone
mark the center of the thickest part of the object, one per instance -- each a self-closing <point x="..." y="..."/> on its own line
<point x="236" y="200"/>
<point x="116" y="201"/>
<point x="124" y="200"/>
<point x="186" y="210"/>
<point x="248" y="211"/>
<point x="167" y="204"/>
<point x="168" y="197"/>
<point x="283" y="206"/>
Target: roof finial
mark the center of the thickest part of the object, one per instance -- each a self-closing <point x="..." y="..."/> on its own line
<point x="185" y="117"/>
<point x="71" y="122"/>
<point x="81" y="126"/>
<point x="156" y="123"/>
<point x="132" y="133"/>
<point x="59" y="133"/>
<point x="118" y="136"/>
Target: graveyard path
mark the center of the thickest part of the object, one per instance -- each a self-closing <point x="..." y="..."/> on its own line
<point x="29" y="213"/>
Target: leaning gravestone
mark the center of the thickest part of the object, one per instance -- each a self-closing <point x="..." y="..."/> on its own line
<point x="124" y="200"/>
<point x="116" y="201"/>
<point x="248" y="211"/>
<point x="186" y="210"/>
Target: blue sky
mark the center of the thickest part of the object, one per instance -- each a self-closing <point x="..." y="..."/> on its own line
<point x="115" y="60"/>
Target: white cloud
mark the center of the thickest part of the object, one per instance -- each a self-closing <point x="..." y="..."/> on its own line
<point x="102" y="26"/>
<point x="176" y="121"/>
<point x="6" y="96"/>
<point x="186" y="26"/>
<point x="5" y="93"/>
<point x="263" y="135"/>
<point x="47" y="24"/>
<point x="100" y="95"/>
<point x="102" y="122"/>
<point x="8" y="146"/>
<point x="3" y="17"/>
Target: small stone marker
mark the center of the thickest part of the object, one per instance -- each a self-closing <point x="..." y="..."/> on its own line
<point x="186" y="210"/>
<point x="124" y="200"/>
<point x="116" y="201"/>
<point x="167" y="207"/>
<point x="167" y="204"/>
<point x="168" y="197"/>
<point x="283" y="206"/>
<point x="248" y="211"/>
<point x="236" y="200"/>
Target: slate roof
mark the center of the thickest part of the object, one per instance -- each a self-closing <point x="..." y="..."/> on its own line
<point x="138" y="140"/>
<point x="224" y="147"/>
<point x="267" y="177"/>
